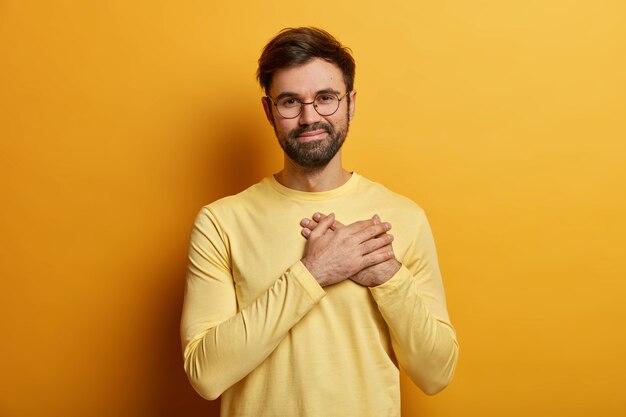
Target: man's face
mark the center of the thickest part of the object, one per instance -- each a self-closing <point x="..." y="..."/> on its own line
<point x="310" y="140"/>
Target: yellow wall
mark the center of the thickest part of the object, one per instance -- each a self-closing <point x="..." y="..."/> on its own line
<point x="503" y="119"/>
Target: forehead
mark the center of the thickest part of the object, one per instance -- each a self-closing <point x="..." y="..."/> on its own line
<point x="307" y="79"/>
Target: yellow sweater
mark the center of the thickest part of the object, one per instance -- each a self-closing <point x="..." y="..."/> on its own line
<point x="258" y="329"/>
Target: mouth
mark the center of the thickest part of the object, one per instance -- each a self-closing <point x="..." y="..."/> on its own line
<point x="312" y="135"/>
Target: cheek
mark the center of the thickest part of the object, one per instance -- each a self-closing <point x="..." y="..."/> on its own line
<point x="285" y="126"/>
<point x="339" y="122"/>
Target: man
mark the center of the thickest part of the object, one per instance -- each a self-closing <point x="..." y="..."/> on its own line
<point x="297" y="304"/>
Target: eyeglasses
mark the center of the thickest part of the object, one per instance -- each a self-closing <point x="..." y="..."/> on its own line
<point x="325" y="104"/>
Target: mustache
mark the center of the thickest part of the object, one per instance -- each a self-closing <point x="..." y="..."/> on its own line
<point x="310" y="128"/>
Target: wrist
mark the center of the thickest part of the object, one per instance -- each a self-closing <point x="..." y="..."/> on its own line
<point x="394" y="267"/>
<point x="314" y="271"/>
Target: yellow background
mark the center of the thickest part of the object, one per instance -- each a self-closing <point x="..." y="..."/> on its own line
<point x="505" y="120"/>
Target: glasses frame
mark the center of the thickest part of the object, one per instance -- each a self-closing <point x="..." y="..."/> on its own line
<point x="304" y="103"/>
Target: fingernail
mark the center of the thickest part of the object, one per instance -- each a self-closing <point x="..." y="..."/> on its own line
<point x="305" y="222"/>
<point x="387" y="226"/>
<point x="306" y="232"/>
<point x="316" y="216"/>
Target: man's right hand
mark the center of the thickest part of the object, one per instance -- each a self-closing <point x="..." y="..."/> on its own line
<point x="334" y="257"/>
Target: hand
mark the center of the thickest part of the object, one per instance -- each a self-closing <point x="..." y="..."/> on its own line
<point x="332" y="256"/>
<point x="370" y="276"/>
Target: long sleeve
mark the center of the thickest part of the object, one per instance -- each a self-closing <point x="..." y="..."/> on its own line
<point x="222" y="342"/>
<point x="413" y="305"/>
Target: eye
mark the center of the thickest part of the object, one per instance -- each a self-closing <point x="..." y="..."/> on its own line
<point x="325" y="98"/>
<point x="289" y="102"/>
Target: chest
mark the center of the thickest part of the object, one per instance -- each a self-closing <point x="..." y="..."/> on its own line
<point x="268" y="241"/>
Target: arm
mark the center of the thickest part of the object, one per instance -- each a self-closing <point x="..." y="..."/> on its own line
<point x="221" y="343"/>
<point x="412" y="302"/>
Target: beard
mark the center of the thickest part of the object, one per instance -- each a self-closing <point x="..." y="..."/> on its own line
<point x="318" y="153"/>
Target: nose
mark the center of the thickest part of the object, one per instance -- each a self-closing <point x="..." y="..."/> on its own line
<point x="308" y="115"/>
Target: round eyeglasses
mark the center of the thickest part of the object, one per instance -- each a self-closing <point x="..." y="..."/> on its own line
<point x="325" y="104"/>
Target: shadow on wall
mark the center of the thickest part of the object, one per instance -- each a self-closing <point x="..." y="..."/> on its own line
<point x="229" y="156"/>
<point x="172" y="391"/>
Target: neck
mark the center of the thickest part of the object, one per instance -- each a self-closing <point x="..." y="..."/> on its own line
<point x="325" y="178"/>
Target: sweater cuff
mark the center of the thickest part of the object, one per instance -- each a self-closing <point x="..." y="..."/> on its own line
<point x="307" y="281"/>
<point x="393" y="285"/>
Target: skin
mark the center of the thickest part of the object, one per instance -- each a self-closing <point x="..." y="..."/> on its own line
<point x="360" y="251"/>
<point x="376" y="274"/>
<point x="306" y="81"/>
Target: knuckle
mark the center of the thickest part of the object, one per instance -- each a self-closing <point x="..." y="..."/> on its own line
<point x="366" y="248"/>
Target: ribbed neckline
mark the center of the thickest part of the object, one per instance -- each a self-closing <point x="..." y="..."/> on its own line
<point x="314" y="196"/>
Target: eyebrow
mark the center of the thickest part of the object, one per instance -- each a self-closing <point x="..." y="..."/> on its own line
<point x="323" y="91"/>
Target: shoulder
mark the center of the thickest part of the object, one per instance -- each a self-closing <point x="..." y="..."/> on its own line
<point x="383" y="195"/>
<point x="227" y="208"/>
<point x="251" y="195"/>
<point x="407" y="217"/>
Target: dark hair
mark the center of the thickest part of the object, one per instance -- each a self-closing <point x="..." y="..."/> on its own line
<point x="297" y="46"/>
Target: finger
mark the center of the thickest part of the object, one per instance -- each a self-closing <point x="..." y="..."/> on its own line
<point x="378" y="256"/>
<point x="323" y="226"/>
<point x="376" y="219"/>
<point x="372" y="230"/>
<point x="376" y="243"/>
<point x="307" y="227"/>
<point x="337" y="225"/>
<point x="308" y="223"/>
<point x="317" y="217"/>
<point x="358" y="226"/>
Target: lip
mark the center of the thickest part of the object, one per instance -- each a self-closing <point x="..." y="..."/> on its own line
<point x="313" y="135"/>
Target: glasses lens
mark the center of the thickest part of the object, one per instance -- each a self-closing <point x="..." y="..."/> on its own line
<point x="326" y="104"/>
<point x="289" y="107"/>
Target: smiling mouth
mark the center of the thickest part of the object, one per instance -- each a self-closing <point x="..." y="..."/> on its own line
<point x="312" y="135"/>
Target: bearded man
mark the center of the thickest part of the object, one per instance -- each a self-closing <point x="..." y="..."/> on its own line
<point x="299" y="300"/>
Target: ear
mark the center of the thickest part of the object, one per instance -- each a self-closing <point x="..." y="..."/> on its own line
<point x="267" y="108"/>
<point x="352" y="107"/>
